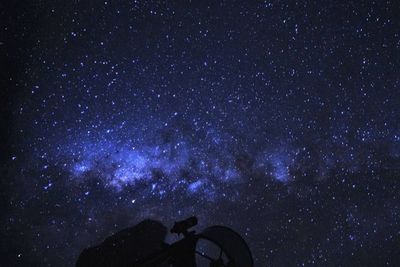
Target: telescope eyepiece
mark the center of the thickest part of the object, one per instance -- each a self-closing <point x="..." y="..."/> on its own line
<point x="182" y="227"/>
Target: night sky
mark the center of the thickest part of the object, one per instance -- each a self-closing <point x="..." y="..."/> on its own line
<point x="279" y="119"/>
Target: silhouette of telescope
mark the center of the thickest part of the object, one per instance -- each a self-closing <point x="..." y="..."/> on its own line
<point x="215" y="246"/>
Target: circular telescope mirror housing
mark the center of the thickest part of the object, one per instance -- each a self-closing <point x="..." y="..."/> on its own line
<point x="221" y="246"/>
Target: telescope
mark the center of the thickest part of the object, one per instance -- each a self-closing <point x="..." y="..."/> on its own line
<point x="215" y="246"/>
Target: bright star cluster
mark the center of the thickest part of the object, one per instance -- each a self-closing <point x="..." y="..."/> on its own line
<point x="279" y="119"/>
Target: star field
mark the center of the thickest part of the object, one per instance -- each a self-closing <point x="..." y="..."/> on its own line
<point x="280" y="119"/>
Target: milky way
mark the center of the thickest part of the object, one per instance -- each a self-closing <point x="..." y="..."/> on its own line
<point x="278" y="119"/>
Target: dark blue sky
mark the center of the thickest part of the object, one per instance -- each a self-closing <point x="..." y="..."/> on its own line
<point x="278" y="119"/>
